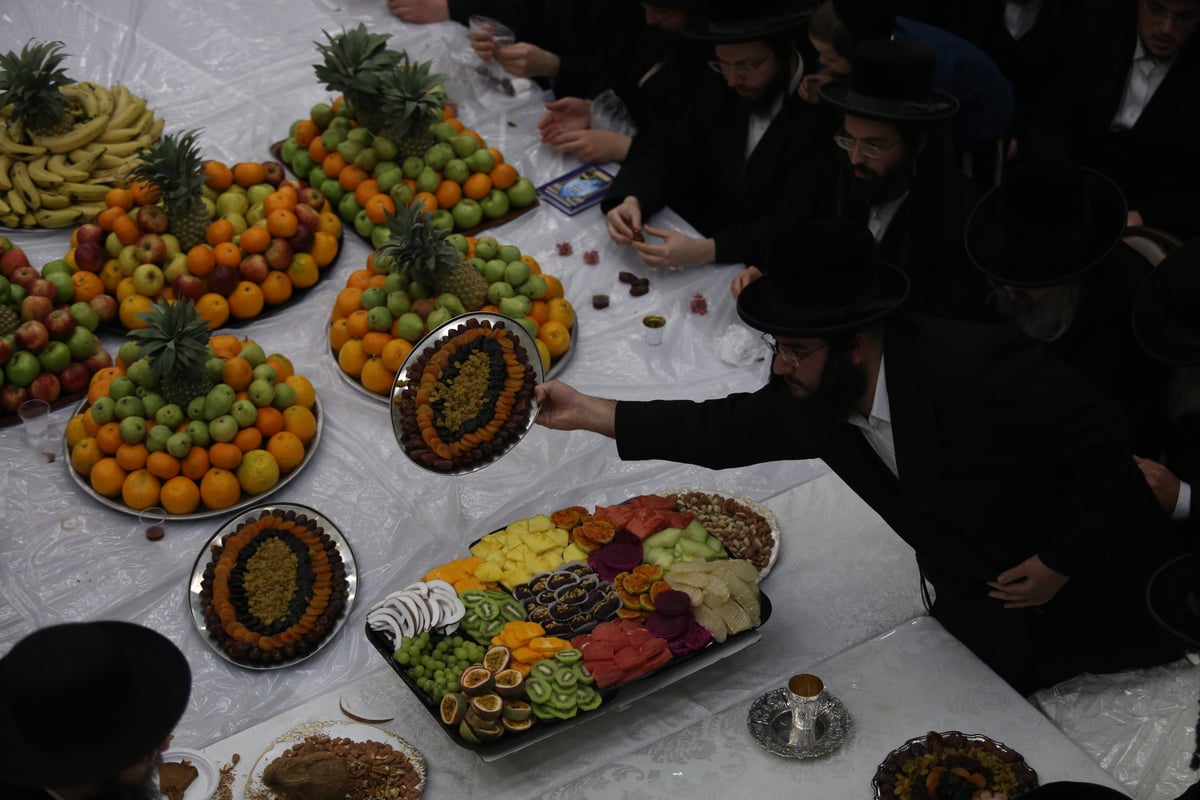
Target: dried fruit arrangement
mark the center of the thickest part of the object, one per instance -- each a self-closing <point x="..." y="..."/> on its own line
<point x="952" y="764"/>
<point x="63" y="144"/>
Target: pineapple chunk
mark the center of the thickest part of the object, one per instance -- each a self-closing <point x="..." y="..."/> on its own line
<point x="574" y="552"/>
<point x="540" y="523"/>
<point x="518" y="528"/>
<point x="489" y="572"/>
<point x="561" y="537"/>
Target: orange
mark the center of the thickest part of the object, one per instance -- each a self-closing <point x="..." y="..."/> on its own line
<point x="330" y="223"/>
<point x="144" y="193"/>
<point x="225" y="345"/>
<point x="496" y="155"/>
<point x="132" y="456"/>
<point x="306" y="396"/>
<point x="214" y="308"/>
<point x="351" y="358"/>
<point x="282" y="364"/>
<point x="303" y="271"/>
<point x="195" y="463"/>
<point x="179" y="495"/>
<point x="554" y="287"/>
<point x="378" y="206"/>
<point x="219" y="230"/>
<point x="300" y="421"/>
<point x="317" y="151"/>
<point x="374" y="342"/>
<point x="119" y="198"/>
<point x="477" y="186"/>
<point x="357" y="323"/>
<point x="561" y="311"/>
<point x="394" y="353"/>
<point x="106" y="477"/>
<point x="85" y="455"/>
<point x="76" y="430"/>
<point x="129" y="309"/>
<point x="248" y="439"/>
<point x="237" y="372"/>
<point x="556" y="336"/>
<point x="247" y="300"/>
<point x="276" y="287"/>
<point x="359" y="279"/>
<point x="544" y="352"/>
<point x="87" y="285"/>
<point x="282" y="223"/>
<point x="426" y="201"/>
<point x="448" y="193"/>
<point x="228" y="254"/>
<point x="89" y="422"/>
<point x="306" y="131"/>
<point x="365" y="191"/>
<point x="279" y="199"/>
<point x="217" y="175"/>
<point x="333" y="164"/>
<point x="225" y="455"/>
<point x="287" y="449"/>
<point x="375" y="376"/>
<point x="538" y="311"/>
<point x="125" y="288"/>
<point x="127" y="230"/>
<point x="339" y="333"/>
<point x="111" y="275"/>
<point x="350" y="177"/>
<point x="108" y="216"/>
<point x="477" y="137"/>
<point x="163" y="465"/>
<point x="378" y="279"/>
<point x="258" y="473"/>
<point x="140" y="489"/>
<point x="503" y="175"/>
<point x="248" y="173"/>
<point x="325" y="246"/>
<point x="255" y="239"/>
<point x="269" y="421"/>
<point x="201" y="260"/>
<point x="219" y="488"/>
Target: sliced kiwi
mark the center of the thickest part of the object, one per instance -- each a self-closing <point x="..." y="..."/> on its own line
<point x="539" y="689"/>
<point x="568" y="656"/>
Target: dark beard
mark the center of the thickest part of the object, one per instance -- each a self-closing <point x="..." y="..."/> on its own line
<point x="876" y="188"/>
<point x="770" y="93"/>
<point x="836" y="398"/>
<point x="1046" y="320"/>
<point x="147" y="789"/>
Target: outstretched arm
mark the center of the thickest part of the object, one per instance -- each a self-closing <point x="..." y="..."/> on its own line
<point x="565" y="409"/>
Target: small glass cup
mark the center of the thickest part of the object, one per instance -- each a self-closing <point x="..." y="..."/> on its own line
<point x="35" y="419"/>
<point x="500" y="34"/>
<point x="152" y="521"/>
<point x="805" y="693"/>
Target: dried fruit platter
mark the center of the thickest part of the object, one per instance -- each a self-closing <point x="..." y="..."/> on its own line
<point x="919" y="767"/>
<point x="285" y="575"/>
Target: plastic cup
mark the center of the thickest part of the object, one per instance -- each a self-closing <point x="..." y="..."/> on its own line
<point x="152" y="522"/>
<point x="35" y="419"/>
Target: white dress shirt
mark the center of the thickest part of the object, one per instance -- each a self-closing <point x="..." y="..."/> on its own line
<point x="881" y="216"/>
<point x="1019" y="18"/>
<point x="877" y="428"/>
<point x="759" y="122"/>
<point x="1146" y="74"/>
<point x="1183" y="503"/>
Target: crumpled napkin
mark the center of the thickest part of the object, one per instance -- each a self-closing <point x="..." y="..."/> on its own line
<point x="737" y="346"/>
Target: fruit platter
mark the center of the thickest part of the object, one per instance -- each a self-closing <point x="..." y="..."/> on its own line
<point x="197" y="425"/>
<point x="239" y="240"/>
<point x="48" y="348"/>
<point x="937" y="764"/>
<point x="464" y="396"/>
<point x="419" y="279"/>
<point x="63" y="143"/>
<point x="272" y="587"/>
<point x="390" y="140"/>
<point x="552" y="618"/>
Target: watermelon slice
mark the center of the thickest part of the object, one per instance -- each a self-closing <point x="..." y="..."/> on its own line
<point x="646" y="522"/>
<point x="653" y="501"/>
<point x="618" y="514"/>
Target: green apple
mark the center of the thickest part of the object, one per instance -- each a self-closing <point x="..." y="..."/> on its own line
<point x="363" y="224"/>
<point x="223" y="428"/>
<point x="82" y="343"/>
<point x="254" y="353"/>
<point x="64" y="290"/>
<point x="360" y="135"/>
<point x="412" y="166"/>
<point x="442" y="219"/>
<point x="332" y="137"/>
<point x="494" y="270"/>
<point x="366" y="160"/>
<point x="379" y="319"/>
<point x="152" y="401"/>
<point x="333" y="191"/>
<point x="456" y="170"/>
<point x="464" y="145"/>
<point x="384" y="148"/>
<point x="350" y="149"/>
<point x="499" y="291"/>
<point x="515" y="272"/>
<point x="104" y="410"/>
<point x="133" y="429"/>
<point x="487" y="248"/>
<point x="410" y="326"/>
<point x="121" y="387"/>
<point x="495" y="204"/>
<point x="142" y="374"/>
<point x="460" y="243"/>
<point x="262" y="392"/>
<point x="170" y="415"/>
<point x="233" y="202"/>
<point x="380" y="235"/>
<point x="481" y="161"/>
<point x="245" y="412"/>
<point x="321" y="113"/>
<point x="388" y="178"/>
<point x="348" y="207"/>
<point x="443" y="131"/>
<point x="197" y="431"/>
<point x="534" y="287"/>
<point x="129" y="351"/>
<point x="266" y="372"/>
<point x="467" y="214"/>
<point x="516" y="306"/>
<point x="522" y="193"/>
<point x="157" y="438"/>
<point x="394" y="282"/>
<point x="130" y="406"/>
<point x="398" y="302"/>
<point x="428" y="180"/>
<point x="285" y="396"/>
<point x="372" y="297"/>
<point x="402" y="194"/>
<point x="438" y="155"/>
<point x="180" y="444"/>
<point x="288" y="150"/>
<point x="509" y="253"/>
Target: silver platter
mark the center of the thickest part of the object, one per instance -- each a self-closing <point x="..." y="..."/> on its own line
<point x="770" y="723"/>
<point x="1027" y="779"/>
<point x="205" y="556"/>
<point x="247" y="500"/>
<point x="434" y="337"/>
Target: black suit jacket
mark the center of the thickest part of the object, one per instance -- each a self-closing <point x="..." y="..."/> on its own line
<point x="1003" y="453"/>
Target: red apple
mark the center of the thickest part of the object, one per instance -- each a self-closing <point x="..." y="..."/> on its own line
<point x="152" y="219"/>
<point x="188" y="287"/>
<point x="151" y="249"/>
<point x="311" y="197"/>
<point x="223" y="280"/>
<point x="105" y="306"/>
<point x="294" y="183"/>
<point x="42" y="288"/>
<point x="11" y="259"/>
<point x="60" y="324"/>
<point x="11" y="397"/>
<point x="302" y="240"/>
<point x="32" y="336"/>
<point x="6" y="349"/>
<point x="275" y="173"/>
<point x="90" y="256"/>
<point x="254" y="268"/>
<point x="97" y="361"/>
<point x="279" y="254"/>
<point x="24" y="276"/>
<point x="45" y="387"/>
<point x="89" y="233"/>
<point x="307" y="217"/>
<point x="75" y="377"/>
<point x="36" y="307"/>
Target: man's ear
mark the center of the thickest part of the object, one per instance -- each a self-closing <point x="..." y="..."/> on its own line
<point x="858" y="355"/>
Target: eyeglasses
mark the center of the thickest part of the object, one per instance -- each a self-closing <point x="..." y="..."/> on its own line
<point x="742" y="68"/>
<point x="868" y="149"/>
<point x="787" y="355"/>
<point x="1160" y="13"/>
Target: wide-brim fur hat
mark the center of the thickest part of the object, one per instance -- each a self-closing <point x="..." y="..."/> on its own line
<point x="1166" y="313"/>
<point x="730" y="22"/>
<point x="893" y="82"/>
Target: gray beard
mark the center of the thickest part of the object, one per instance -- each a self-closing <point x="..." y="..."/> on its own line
<point x="1046" y="320"/>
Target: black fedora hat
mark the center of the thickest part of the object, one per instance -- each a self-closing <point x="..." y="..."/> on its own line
<point x="690" y="6"/>
<point x="893" y="82"/>
<point x="1046" y="223"/>
<point x="822" y="278"/>
<point x="867" y="19"/>
<point x="1173" y="598"/>
<point x="80" y="702"/>
<point x="730" y="22"/>
<point x="1166" y="313"/>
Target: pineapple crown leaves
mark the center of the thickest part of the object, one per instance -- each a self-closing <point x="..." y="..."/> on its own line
<point x="412" y="97"/>
<point x="176" y="339"/>
<point x="355" y="65"/>
<point x="416" y="247"/>
<point x="175" y="166"/>
<point x="29" y="80"/>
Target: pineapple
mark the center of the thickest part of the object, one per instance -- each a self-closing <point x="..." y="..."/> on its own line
<point x="30" y="81"/>
<point x="355" y="60"/>
<point x="413" y="99"/>
<point x="10" y="320"/>
<point x="174" y="166"/>
<point x="422" y="252"/>
<point x="177" y="345"/>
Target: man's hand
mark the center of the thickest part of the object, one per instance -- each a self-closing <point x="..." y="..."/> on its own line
<point x="594" y="146"/>
<point x="1134" y="220"/>
<point x="1163" y="482"/>
<point x="676" y="249"/>
<point x="565" y="114"/>
<point x="1030" y="583"/>
<point x="420" y="12"/>
<point x="524" y="60"/>
<point x="481" y="42"/>
<point x="810" y="86"/>
<point x="562" y="408"/>
<point x="743" y="279"/>
<point x="624" y="219"/>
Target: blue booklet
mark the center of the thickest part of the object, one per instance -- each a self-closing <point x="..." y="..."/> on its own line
<point x="578" y="190"/>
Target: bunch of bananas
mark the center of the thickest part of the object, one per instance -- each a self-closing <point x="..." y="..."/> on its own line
<point x="60" y="180"/>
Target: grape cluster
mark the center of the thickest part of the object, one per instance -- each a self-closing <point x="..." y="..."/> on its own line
<point x="435" y="667"/>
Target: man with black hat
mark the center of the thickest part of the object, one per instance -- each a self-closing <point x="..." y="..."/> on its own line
<point x="86" y="709"/>
<point x="1008" y="473"/>
<point x="743" y="160"/>
<point x="1049" y="241"/>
